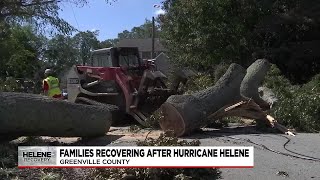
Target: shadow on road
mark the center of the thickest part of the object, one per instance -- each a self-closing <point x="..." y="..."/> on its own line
<point x="97" y="141"/>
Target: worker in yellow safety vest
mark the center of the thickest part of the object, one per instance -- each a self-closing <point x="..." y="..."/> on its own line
<point x="51" y="85"/>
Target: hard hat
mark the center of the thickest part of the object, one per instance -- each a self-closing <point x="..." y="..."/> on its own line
<point x="48" y="71"/>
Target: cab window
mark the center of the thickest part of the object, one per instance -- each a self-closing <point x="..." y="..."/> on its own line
<point x="128" y="60"/>
<point x="102" y="60"/>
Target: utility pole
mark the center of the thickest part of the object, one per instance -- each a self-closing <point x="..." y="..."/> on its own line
<point x="153" y="36"/>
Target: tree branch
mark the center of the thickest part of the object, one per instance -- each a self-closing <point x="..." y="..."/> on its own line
<point x="37" y="3"/>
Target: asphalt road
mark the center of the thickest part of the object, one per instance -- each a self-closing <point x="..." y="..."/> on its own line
<point x="272" y="160"/>
<point x="272" y="165"/>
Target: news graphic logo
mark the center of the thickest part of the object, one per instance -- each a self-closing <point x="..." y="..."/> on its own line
<point x="136" y="157"/>
<point x="36" y="156"/>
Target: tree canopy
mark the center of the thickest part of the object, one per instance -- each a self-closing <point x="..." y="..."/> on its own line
<point x="200" y="34"/>
<point x="204" y="33"/>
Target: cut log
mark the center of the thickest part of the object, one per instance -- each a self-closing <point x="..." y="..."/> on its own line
<point x="185" y="113"/>
<point x="253" y="80"/>
<point x="35" y="115"/>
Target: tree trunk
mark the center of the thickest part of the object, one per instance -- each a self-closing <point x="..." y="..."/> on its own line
<point x="35" y="115"/>
<point x="185" y="113"/>
<point x="253" y="80"/>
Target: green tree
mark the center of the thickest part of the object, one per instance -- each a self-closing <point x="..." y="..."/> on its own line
<point x="41" y="12"/>
<point x="108" y="43"/>
<point x="20" y="51"/>
<point x="142" y="31"/>
<point x="65" y="51"/>
<point x="204" y="33"/>
<point x="61" y="53"/>
<point x="85" y="43"/>
<point x="25" y="52"/>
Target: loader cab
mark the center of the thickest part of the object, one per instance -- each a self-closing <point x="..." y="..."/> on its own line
<point x="116" y="57"/>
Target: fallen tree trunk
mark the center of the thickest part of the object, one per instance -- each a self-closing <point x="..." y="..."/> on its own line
<point x="35" y="115"/>
<point x="235" y="94"/>
<point x="185" y="113"/>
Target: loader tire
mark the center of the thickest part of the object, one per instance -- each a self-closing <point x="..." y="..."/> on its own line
<point x="35" y="115"/>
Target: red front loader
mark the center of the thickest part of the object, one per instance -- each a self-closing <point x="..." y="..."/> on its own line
<point x="118" y="76"/>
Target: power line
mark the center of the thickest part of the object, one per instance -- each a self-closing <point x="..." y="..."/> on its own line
<point x="74" y="15"/>
<point x="83" y="41"/>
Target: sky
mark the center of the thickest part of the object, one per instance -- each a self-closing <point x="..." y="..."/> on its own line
<point x="110" y="19"/>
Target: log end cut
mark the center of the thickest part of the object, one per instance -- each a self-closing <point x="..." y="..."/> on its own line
<point x="172" y="120"/>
